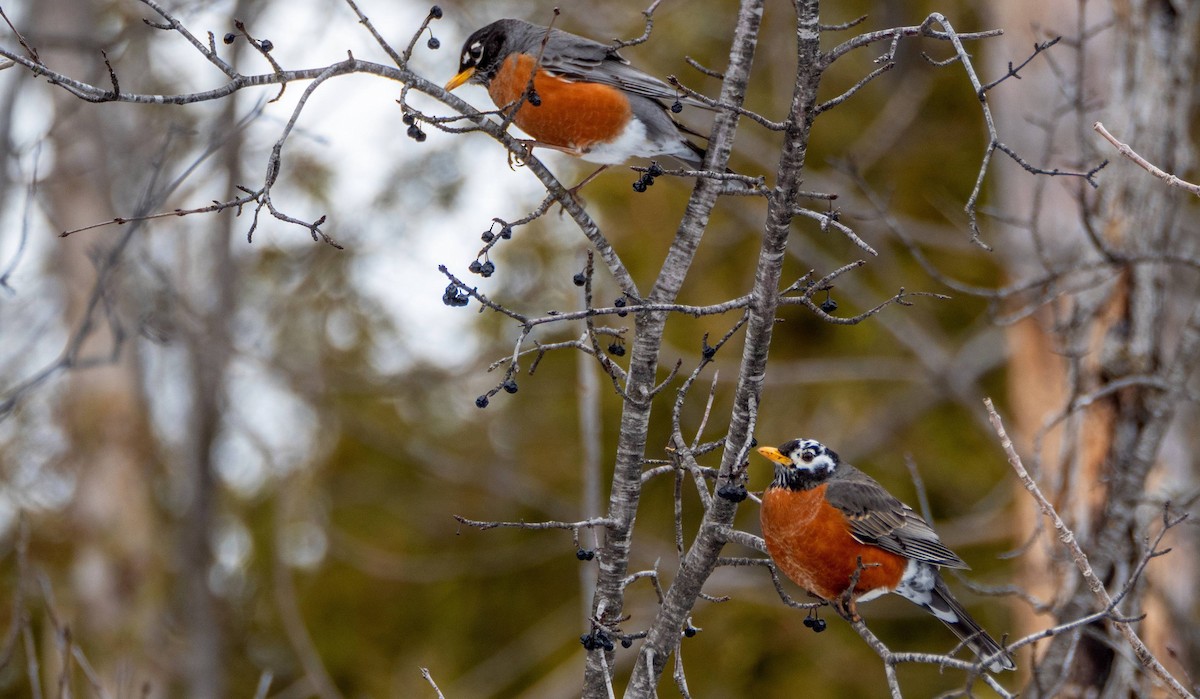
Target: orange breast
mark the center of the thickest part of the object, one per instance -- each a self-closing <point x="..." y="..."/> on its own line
<point x="810" y="542"/>
<point x="572" y="115"/>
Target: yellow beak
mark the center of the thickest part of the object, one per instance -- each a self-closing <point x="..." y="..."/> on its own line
<point x="775" y="455"/>
<point x="461" y="78"/>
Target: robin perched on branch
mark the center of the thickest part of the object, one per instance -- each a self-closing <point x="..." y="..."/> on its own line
<point x="576" y="95"/>
<point x="836" y="532"/>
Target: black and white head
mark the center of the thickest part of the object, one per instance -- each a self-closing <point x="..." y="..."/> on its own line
<point x="484" y="51"/>
<point x="801" y="463"/>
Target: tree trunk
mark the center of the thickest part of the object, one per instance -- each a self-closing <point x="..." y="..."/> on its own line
<point x="1110" y="360"/>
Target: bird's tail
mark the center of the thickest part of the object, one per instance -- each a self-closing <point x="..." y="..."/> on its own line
<point x="943" y="605"/>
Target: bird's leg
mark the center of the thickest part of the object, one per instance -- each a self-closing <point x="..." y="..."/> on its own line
<point x="575" y="190"/>
<point x="530" y="144"/>
<point x="846" y="606"/>
<point x="846" y="603"/>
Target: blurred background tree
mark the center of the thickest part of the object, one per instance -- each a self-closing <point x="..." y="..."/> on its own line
<point x="227" y="463"/>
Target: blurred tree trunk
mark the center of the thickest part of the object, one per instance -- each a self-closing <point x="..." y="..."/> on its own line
<point x="1135" y="327"/>
<point x="209" y="348"/>
<point x="115" y="572"/>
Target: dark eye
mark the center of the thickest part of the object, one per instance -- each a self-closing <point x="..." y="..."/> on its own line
<point x="806" y="457"/>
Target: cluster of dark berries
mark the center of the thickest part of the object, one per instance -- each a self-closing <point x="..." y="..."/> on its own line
<point x="266" y="44"/>
<point x="414" y="131"/>
<point x="647" y="178"/>
<point x="616" y="349"/>
<point x="455" y="296"/>
<point x="596" y="639"/>
<point x="817" y="624"/>
<point x="585" y="554"/>
<point x="435" y="12"/>
<point x="733" y="492"/>
<point x="620" y="303"/>
<point x="484" y="269"/>
<point x="488" y="236"/>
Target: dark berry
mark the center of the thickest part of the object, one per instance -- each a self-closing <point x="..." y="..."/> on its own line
<point x="509" y="386"/>
<point x="649" y="180"/>
<point x="487" y="269"/>
<point x="579" y="279"/>
<point x="732" y="492"/>
<point x="454" y="296"/>
<point x="414" y="131"/>
<point x="230" y="38"/>
<point x="435" y="12"/>
<point x="534" y="98"/>
<point x="819" y="625"/>
<point x="487" y="236"/>
<point x="619" y="303"/>
<point x="626" y="642"/>
<point x="588" y="642"/>
<point x="753" y="442"/>
<point x="420" y="137"/>
<point x="608" y="644"/>
<point x="616" y="349"/>
<point x="475" y="267"/>
<point x="584" y="554"/>
<point x="506" y="232"/>
<point x="481" y="402"/>
<point x="654" y="170"/>
<point x="690" y="631"/>
<point x="708" y="352"/>
<point x="433" y="43"/>
<point x="809" y="622"/>
<point x="677" y="106"/>
<point x="408" y="119"/>
<point x="829" y="305"/>
<point x="639" y="186"/>
<point x="266" y="45"/>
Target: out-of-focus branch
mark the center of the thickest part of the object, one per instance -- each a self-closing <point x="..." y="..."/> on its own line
<point x="1146" y="165"/>
<point x="1067" y="537"/>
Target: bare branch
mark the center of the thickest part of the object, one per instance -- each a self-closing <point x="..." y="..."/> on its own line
<point x="1067" y="537"/>
<point x="1146" y="165"/>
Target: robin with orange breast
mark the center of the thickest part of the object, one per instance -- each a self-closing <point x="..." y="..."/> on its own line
<point x="829" y="526"/>
<point x="586" y="99"/>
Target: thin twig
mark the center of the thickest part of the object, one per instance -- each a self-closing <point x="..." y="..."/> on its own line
<point x="1146" y="165"/>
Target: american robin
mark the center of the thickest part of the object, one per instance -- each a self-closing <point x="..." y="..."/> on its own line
<point x="587" y="100"/>
<point x="828" y="525"/>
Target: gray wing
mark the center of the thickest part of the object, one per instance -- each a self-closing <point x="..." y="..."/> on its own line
<point x="575" y="57"/>
<point x="879" y="519"/>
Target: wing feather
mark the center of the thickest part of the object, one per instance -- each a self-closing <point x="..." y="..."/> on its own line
<point x="876" y="517"/>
